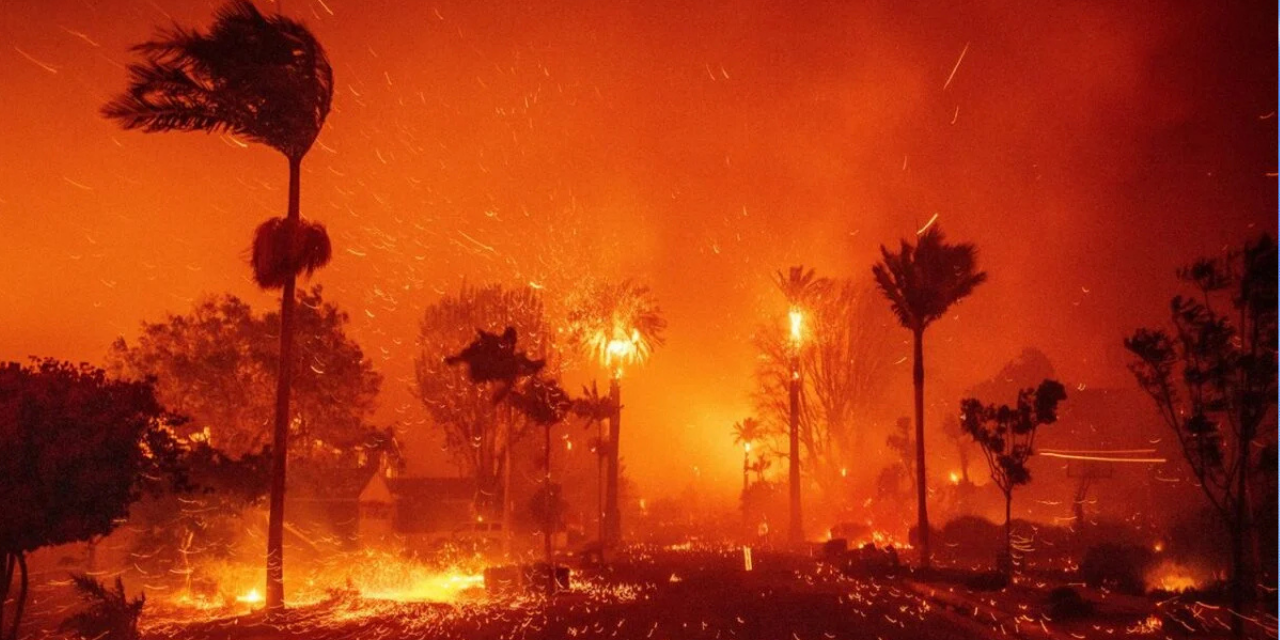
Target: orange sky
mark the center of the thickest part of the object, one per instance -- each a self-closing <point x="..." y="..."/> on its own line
<point x="1087" y="150"/>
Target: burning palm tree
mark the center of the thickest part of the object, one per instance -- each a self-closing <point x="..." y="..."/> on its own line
<point x="801" y="288"/>
<point x="921" y="283"/>
<point x="618" y="325"/>
<point x="746" y="433"/>
<point x="265" y="78"/>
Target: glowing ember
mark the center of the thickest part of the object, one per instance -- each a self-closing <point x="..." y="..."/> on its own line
<point x="252" y="597"/>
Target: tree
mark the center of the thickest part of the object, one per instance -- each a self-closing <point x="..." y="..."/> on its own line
<point x="1213" y="379"/>
<point x="799" y="287"/>
<point x="746" y="433"/>
<point x="493" y="358"/>
<point x="478" y="433"/>
<point x="843" y="372"/>
<point x="545" y="403"/>
<point x="617" y="324"/>
<point x="1007" y="436"/>
<point x="76" y="449"/>
<point x="265" y="78"/>
<point x="214" y="363"/>
<point x="595" y="409"/>
<point x="921" y="282"/>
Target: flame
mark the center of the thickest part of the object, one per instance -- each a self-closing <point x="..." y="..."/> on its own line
<point x="619" y="347"/>
<point x="797" y="319"/>
<point x="368" y="574"/>
<point x="251" y="597"/>
<point x="1174" y="577"/>
<point x="746" y="446"/>
<point x="954" y="477"/>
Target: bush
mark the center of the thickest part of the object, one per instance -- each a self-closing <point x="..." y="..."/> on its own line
<point x="1120" y="567"/>
<point x="109" y="616"/>
<point x="1064" y="603"/>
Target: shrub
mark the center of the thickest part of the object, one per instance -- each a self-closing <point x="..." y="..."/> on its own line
<point x="1120" y="567"/>
<point x="109" y="615"/>
<point x="1065" y="602"/>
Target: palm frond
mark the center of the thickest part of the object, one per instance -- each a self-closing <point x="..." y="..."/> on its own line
<point x="266" y="79"/>
<point x="284" y="247"/>
<point x="921" y="282"/>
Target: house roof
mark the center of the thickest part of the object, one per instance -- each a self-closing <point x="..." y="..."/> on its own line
<point x="415" y="490"/>
<point x="329" y="483"/>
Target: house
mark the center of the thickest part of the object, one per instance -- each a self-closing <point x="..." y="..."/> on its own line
<point x="417" y="511"/>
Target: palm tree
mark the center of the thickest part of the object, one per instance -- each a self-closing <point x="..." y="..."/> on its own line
<point x="921" y="283"/>
<point x="745" y="433"/>
<point x="594" y="408"/>
<point x="267" y="79"/>
<point x="617" y="324"/>
<point x="801" y="288"/>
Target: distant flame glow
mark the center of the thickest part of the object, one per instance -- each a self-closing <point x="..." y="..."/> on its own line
<point x="252" y="597"/>
<point x="797" y="321"/>
<point x="1174" y="577"/>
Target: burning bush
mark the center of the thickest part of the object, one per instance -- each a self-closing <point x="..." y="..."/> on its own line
<point x="1175" y="577"/>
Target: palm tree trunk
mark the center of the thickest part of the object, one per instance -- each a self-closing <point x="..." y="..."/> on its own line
<point x="1007" y="562"/>
<point x="1241" y="563"/>
<point x="507" y="509"/>
<point x="922" y="509"/>
<point x="10" y="561"/>
<point x="613" y="515"/>
<point x="547" y="504"/>
<point x="746" y="517"/>
<point x="600" y="532"/>
<point x="280" y="441"/>
<point x="796" y="529"/>
<point x="21" y="601"/>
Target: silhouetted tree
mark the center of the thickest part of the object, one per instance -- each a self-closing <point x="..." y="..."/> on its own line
<point x="617" y="324"/>
<point x="1007" y="436"/>
<point x="214" y="365"/>
<point x="546" y="404"/>
<point x="493" y="358"/>
<point x="1213" y="379"/>
<point x="844" y="364"/>
<point x="478" y="433"/>
<point x="265" y="78"/>
<point x="800" y="287"/>
<point x="76" y="449"/>
<point x="921" y="283"/>
<point x="595" y="409"/>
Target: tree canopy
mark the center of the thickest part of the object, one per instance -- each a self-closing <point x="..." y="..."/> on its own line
<point x="465" y="413"/>
<point x="76" y="449"/>
<point x="844" y="363"/>
<point x="216" y="365"/>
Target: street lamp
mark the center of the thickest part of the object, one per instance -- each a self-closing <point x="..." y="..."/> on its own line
<point x="796" y="532"/>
